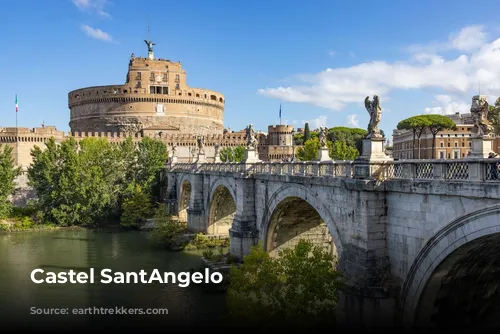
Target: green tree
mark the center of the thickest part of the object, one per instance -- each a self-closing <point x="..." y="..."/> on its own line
<point x="307" y="132"/>
<point x="81" y="183"/>
<point x="309" y="151"/>
<point x="353" y="137"/>
<point x="152" y="155"/>
<point x="438" y="123"/>
<point x="341" y="151"/>
<point x="136" y="208"/>
<point x="416" y="124"/>
<point x="494" y="116"/>
<point x="300" y="286"/>
<point x="8" y="174"/>
<point x="230" y="154"/>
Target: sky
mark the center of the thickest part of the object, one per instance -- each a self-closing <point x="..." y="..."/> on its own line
<point x="317" y="59"/>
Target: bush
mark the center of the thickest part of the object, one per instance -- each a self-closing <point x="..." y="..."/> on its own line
<point x="202" y="241"/>
<point x="168" y="232"/>
<point x="299" y="287"/>
<point x="136" y="209"/>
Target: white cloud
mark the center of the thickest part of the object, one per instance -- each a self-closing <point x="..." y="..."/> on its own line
<point x="352" y="120"/>
<point x="447" y="105"/>
<point x="315" y="123"/>
<point x="332" y="53"/>
<point x="334" y="88"/>
<point x="96" y="33"/>
<point x="469" y="38"/>
<point x="92" y="6"/>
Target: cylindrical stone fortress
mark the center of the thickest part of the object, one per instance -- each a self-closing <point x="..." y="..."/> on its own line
<point x="155" y="96"/>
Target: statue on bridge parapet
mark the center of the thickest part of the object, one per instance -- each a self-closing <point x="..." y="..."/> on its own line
<point x="479" y="112"/>
<point x="251" y="138"/>
<point x="216" y="153"/>
<point x="201" y="144"/>
<point x="174" y="150"/>
<point x="375" y="111"/>
<point x="323" y="136"/>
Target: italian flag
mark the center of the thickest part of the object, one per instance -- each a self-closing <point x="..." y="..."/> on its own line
<point x="17" y="104"/>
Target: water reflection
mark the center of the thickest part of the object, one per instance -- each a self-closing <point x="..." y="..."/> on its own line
<point x="81" y="250"/>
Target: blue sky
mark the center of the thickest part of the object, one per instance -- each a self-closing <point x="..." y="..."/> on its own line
<point x="319" y="59"/>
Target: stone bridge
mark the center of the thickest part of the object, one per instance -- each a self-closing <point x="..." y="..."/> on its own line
<point x="418" y="240"/>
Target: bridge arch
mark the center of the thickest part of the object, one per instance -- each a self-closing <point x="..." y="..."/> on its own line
<point x="221" y="205"/>
<point x="455" y="279"/>
<point x="184" y="197"/>
<point x="294" y="211"/>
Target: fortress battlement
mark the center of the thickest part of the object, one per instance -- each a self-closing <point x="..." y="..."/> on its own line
<point x="40" y="134"/>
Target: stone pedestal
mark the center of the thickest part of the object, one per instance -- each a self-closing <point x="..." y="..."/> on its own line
<point x="217" y="158"/>
<point x="251" y="156"/>
<point x="481" y="147"/>
<point x="374" y="150"/>
<point x="371" y="161"/>
<point x="323" y="154"/>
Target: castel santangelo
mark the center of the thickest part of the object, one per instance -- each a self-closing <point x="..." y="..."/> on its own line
<point x="154" y="101"/>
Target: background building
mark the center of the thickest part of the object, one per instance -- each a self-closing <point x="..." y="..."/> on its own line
<point x="450" y="144"/>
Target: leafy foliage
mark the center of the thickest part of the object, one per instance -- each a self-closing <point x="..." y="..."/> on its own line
<point x="201" y="241"/>
<point x="353" y="137"/>
<point x="309" y="151"/>
<point x="339" y="150"/>
<point x="307" y="132"/>
<point x="8" y="174"/>
<point x="299" y="287"/>
<point x="80" y="183"/>
<point x="229" y="154"/>
<point x="494" y="116"/>
<point x="136" y="208"/>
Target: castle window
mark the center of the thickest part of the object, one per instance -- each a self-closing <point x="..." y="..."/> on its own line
<point x="441" y="144"/>
<point x="158" y="90"/>
<point x="138" y="77"/>
<point x="180" y="93"/>
<point x="197" y="95"/>
<point x="220" y="100"/>
<point x="463" y="144"/>
<point x="152" y="89"/>
<point x="205" y="95"/>
<point x="189" y="94"/>
<point x="213" y="97"/>
<point x="165" y="77"/>
<point x="152" y="75"/>
<point x="177" y="86"/>
<point x="125" y="91"/>
<point x="449" y="144"/>
<point x="139" y="85"/>
<point x="165" y="90"/>
<point x="177" y="78"/>
<point x="456" y="144"/>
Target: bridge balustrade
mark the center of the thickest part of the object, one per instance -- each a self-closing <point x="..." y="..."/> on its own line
<point x="456" y="170"/>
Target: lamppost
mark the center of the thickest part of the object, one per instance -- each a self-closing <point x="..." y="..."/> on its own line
<point x="293" y="145"/>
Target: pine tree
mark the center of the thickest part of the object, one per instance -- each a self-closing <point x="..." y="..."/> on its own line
<point x="307" y="133"/>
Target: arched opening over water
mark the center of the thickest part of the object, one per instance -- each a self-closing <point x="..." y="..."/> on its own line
<point x="222" y="211"/>
<point x="294" y="219"/>
<point x="464" y="289"/>
<point x="185" y="197"/>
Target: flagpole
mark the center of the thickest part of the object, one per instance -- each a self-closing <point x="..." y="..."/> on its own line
<point x="280" y="113"/>
<point x="17" y="136"/>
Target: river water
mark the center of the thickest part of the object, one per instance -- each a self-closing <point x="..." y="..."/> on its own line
<point x="80" y="250"/>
